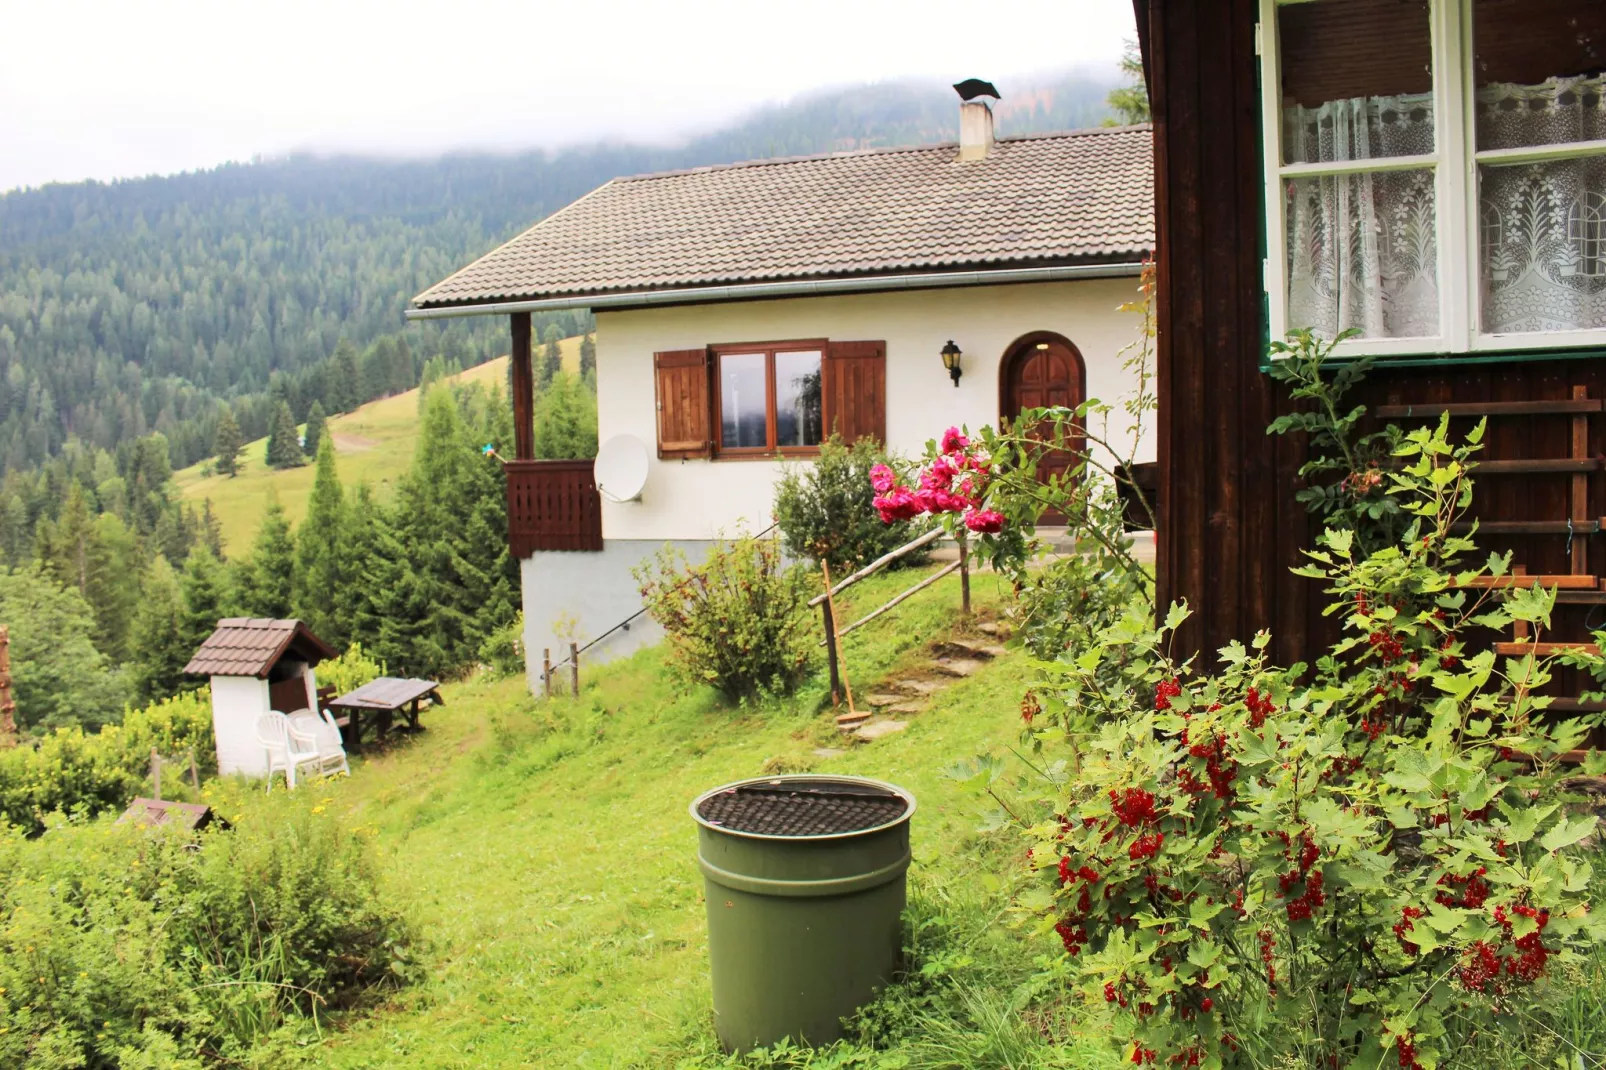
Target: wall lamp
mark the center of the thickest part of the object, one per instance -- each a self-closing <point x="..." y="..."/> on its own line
<point x="950" y="360"/>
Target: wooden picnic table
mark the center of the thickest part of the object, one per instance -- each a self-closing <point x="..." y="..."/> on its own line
<point x="380" y="700"/>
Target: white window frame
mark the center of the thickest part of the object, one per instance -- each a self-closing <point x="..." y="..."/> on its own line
<point x="1455" y="164"/>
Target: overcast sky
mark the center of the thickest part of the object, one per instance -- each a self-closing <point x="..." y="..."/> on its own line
<point x="107" y="88"/>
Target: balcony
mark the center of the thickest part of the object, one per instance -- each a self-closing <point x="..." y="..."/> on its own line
<point x="552" y="505"/>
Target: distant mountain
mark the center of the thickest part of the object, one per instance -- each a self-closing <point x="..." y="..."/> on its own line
<point x="144" y="305"/>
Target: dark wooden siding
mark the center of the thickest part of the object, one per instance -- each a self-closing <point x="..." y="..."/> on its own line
<point x="854" y="388"/>
<point x="552" y="505"/>
<point x="1232" y="529"/>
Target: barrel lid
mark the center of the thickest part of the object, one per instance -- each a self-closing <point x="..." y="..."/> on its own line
<point x="803" y="807"/>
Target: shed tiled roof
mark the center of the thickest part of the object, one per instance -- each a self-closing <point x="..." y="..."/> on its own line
<point x="1085" y="196"/>
<point x="249" y="646"/>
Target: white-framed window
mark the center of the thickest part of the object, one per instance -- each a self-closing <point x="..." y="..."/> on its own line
<point x="1436" y="172"/>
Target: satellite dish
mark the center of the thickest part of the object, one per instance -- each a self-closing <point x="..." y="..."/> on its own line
<point x="621" y="468"/>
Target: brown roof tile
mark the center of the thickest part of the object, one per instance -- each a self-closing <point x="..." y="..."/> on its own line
<point x="1062" y="198"/>
<point x="249" y="646"/>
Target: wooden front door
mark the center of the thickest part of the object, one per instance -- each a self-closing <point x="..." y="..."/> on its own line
<point x="1043" y="371"/>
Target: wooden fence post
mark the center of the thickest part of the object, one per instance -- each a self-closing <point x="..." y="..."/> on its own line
<point x="195" y="773"/>
<point x="830" y="653"/>
<point x="156" y="774"/>
<point x="8" y="708"/>
<point x="546" y="669"/>
<point x="964" y="576"/>
<point x="574" y="669"/>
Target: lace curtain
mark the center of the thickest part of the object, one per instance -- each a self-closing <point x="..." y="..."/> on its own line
<point x="1542" y="240"/>
<point x="1361" y="247"/>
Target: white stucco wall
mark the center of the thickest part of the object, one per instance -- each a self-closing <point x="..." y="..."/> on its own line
<point x="703" y="499"/>
<point x="237" y="701"/>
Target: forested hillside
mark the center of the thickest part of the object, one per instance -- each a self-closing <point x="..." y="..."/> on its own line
<point x="140" y="306"/>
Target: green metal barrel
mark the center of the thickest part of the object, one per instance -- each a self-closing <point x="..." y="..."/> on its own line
<point x="805" y="881"/>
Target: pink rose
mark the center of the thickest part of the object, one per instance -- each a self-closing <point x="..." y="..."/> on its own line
<point x="940" y="475"/>
<point x="882" y="478"/>
<point x="899" y="503"/>
<point x="984" y="521"/>
<point x="953" y="441"/>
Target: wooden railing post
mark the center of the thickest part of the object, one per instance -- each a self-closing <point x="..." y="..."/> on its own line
<point x="574" y="669"/>
<point x="156" y="774"/>
<point x="830" y="652"/>
<point x="964" y="575"/>
<point x="546" y="669"/>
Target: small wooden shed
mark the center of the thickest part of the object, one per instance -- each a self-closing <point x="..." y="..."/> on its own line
<point x="256" y="665"/>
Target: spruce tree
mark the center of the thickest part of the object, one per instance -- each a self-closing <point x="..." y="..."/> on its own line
<point x="265" y="581"/>
<point x="226" y="443"/>
<point x="588" y="354"/>
<point x="551" y="354"/>
<point x="566" y="421"/>
<point x="284" y="441"/>
<point x="98" y="558"/>
<point x="317" y="428"/>
<point x="159" y="649"/>
<point x="345" y="381"/>
<point x="204" y="590"/>
<point x="320" y="553"/>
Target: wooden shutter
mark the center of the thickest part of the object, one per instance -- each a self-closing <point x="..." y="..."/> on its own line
<point x="854" y="383"/>
<point x="685" y="411"/>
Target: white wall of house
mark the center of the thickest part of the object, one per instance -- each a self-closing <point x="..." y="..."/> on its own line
<point x="703" y="499"/>
<point x="237" y="702"/>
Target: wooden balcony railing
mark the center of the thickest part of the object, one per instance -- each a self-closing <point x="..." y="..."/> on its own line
<point x="552" y="505"/>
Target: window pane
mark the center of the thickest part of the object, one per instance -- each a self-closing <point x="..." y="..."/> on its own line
<point x="1362" y="253"/>
<point x="743" y="416"/>
<point x="1542" y="246"/>
<point x="797" y="399"/>
<point x="1357" y="79"/>
<point x="1537" y="66"/>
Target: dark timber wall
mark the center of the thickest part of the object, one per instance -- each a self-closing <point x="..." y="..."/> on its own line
<point x="1232" y="528"/>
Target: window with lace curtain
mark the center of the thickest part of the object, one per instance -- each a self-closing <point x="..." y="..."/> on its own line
<point x="1436" y="172"/>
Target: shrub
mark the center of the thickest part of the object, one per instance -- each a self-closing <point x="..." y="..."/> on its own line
<point x="89" y="773"/>
<point x="350" y="670"/>
<point x="826" y="510"/>
<point x="127" y="946"/>
<point x="1371" y="862"/>
<point x="503" y="649"/>
<point x="736" y="622"/>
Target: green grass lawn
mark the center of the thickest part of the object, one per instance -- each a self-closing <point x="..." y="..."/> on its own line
<point x="373" y="444"/>
<point x="545" y="851"/>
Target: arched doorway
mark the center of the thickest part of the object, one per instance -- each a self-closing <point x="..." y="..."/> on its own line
<point x="1044" y="370"/>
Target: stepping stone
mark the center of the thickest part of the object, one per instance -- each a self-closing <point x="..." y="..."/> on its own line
<point x="992" y="650"/>
<point x="960" y="667"/>
<point x="876" y="729"/>
<point x="993" y="628"/>
<point x="918" y="687"/>
<point x="883" y="700"/>
<point x="962" y="650"/>
<point x="829" y="752"/>
<point x="906" y="708"/>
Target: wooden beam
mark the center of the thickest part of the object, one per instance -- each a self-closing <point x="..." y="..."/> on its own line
<point x="523" y="386"/>
<point x="1431" y="410"/>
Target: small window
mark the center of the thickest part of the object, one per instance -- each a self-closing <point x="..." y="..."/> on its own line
<point x="770" y="398"/>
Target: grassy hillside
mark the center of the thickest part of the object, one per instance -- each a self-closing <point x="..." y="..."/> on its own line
<point x="545" y="850"/>
<point x="375" y="444"/>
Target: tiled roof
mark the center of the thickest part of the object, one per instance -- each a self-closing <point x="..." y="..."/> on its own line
<point x="1084" y="196"/>
<point x="249" y="646"/>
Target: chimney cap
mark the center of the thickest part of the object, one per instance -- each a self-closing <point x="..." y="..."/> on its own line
<point x="971" y="88"/>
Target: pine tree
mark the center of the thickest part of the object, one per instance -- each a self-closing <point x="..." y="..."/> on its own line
<point x="58" y="676"/>
<point x="204" y="592"/>
<point x="551" y="355"/>
<point x="588" y="355"/>
<point x="357" y="597"/>
<point x="345" y="381"/>
<point x="210" y="530"/>
<point x="226" y="443"/>
<point x="265" y="581"/>
<point x="566" y="421"/>
<point x="284" y="442"/>
<point x="159" y="648"/>
<point x="97" y="557"/>
<point x="320" y="553"/>
<point x="317" y="428"/>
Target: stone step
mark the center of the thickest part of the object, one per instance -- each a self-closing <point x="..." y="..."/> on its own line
<point x="847" y="722"/>
<point x="883" y="699"/>
<point x="918" y="687"/>
<point x="959" y="667"/>
<point x="970" y="651"/>
<point x="906" y="708"/>
<point x="877" y="729"/>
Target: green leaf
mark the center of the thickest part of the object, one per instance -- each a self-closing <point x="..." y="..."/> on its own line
<point x="1567" y="832"/>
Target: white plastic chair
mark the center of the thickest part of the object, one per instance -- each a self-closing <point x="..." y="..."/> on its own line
<point x="325" y="736"/>
<point x="286" y="748"/>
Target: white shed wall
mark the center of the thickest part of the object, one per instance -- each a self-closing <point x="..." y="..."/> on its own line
<point x="237" y="701"/>
<point x="703" y="499"/>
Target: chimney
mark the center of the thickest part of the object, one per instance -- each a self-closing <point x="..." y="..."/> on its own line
<point x="975" y="119"/>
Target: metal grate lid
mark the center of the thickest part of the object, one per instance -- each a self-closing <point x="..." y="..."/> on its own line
<point x="802" y="808"/>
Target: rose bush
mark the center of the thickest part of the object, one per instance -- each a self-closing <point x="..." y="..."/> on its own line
<point x="1368" y="863"/>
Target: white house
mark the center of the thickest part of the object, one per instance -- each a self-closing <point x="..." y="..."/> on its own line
<point x="745" y="312"/>
<point x="256" y="665"/>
